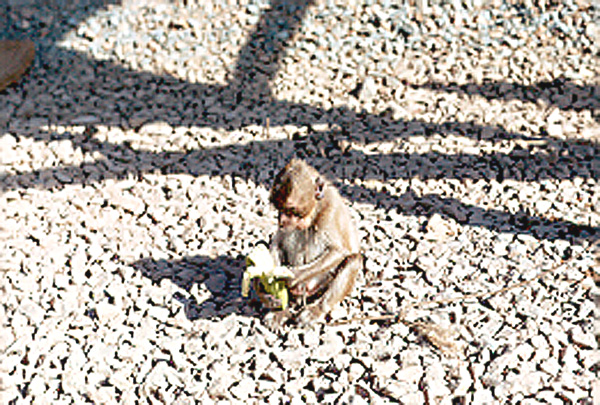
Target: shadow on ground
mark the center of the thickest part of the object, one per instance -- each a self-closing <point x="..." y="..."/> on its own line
<point x="561" y="93"/>
<point x="212" y="285"/>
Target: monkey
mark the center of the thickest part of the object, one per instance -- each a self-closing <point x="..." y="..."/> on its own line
<point x="316" y="239"/>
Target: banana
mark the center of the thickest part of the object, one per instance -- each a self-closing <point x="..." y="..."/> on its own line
<point x="260" y="263"/>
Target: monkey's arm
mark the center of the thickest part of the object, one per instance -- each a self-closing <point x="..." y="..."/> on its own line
<point x="328" y="260"/>
<point x="333" y="251"/>
<point x="318" y="273"/>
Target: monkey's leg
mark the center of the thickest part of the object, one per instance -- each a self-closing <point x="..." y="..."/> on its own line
<point x="340" y="287"/>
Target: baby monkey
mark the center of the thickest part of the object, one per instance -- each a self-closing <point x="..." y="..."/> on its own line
<point x="316" y="239"/>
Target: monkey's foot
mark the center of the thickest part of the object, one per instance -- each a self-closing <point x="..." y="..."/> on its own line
<point x="310" y="315"/>
<point x="271" y="302"/>
<point x="276" y="319"/>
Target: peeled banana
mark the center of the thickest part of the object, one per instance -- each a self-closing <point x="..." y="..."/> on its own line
<point x="260" y="263"/>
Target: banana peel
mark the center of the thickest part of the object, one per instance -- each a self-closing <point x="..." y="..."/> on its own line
<point x="260" y="263"/>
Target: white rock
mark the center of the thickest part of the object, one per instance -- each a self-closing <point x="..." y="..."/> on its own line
<point x="439" y="228"/>
<point x="595" y="390"/>
<point x="355" y="371"/>
<point x="523" y="352"/>
<point x="6" y="338"/>
<point x="410" y="374"/>
<point x="331" y="346"/>
<point x="464" y="380"/>
<point x="483" y="397"/>
<point x="121" y="379"/>
<point x="311" y="337"/>
<point x="74" y="382"/>
<point x="108" y="313"/>
<point x="413" y="398"/>
<point x="32" y="310"/>
<point x="569" y="359"/>
<point x="434" y="382"/>
<point x="398" y="389"/>
<point x="76" y="360"/>
<point x="103" y="395"/>
<point x="161" y="314"/>
<point x="369" y="89"/>
<point x="549" y="397"/>
<point x="385" y="369"/>
<point x="582" y="338"/>
<point x="432" y="266"/>
<point x="37" y="386"/>
<point x="589" y="358"/>
<point x="265" y="386"/>
<point x="244" y="389"/>
<point x="161" y="376"/>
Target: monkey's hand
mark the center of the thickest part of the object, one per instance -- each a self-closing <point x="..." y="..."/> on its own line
<point x="261" y="264"/>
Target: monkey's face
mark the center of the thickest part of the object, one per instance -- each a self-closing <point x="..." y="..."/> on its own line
<point x="295" y="193"/>
<point x="295" y="207"/>
<point x="290" y="219"/>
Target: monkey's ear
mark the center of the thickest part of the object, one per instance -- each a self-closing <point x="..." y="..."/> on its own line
<point x="319" y="188"/>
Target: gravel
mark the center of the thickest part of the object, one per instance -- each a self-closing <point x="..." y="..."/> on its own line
<point x="136" y="158"/>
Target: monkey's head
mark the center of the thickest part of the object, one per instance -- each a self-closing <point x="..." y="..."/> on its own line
<point x="296" y="192"/>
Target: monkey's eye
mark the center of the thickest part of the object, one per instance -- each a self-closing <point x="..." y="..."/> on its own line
<point x="292" y="212"/>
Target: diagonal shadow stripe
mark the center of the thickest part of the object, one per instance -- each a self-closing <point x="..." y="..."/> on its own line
<point x="112" y="95"/>
<point x="562" y="93"/>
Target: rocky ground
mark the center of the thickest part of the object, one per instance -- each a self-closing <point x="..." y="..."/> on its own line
<point x="136" y="160"/>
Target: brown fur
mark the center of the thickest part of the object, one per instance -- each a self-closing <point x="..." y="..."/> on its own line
<point x="316" y="239"/>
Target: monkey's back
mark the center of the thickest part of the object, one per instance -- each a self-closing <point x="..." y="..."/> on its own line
<point x="338" y="211"/>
